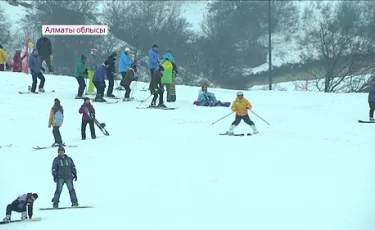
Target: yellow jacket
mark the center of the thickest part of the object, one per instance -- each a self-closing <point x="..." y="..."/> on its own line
<point x="240" y="107"/>
<point x="50" y="120"/>
<point x="3" y="56"/>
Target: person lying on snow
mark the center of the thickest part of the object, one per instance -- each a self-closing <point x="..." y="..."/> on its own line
<point x="206" y="98"/>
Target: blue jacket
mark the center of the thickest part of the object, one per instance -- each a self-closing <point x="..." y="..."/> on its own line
<point x="99" y="75"/>
<point x="169" y="56"/>
<point x="206" y="97"/>
<point x="372" y="94"/>
<point x="35" y="63"/>
<point x="63" y="168"/>
<point x="125" y="63"/>
<point x="153" y="60"/>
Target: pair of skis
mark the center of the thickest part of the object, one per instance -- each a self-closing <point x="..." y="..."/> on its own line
<point x="362" y="121"/>
<point x="236" y="134"/>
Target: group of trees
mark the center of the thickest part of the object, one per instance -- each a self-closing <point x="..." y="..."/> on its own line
<point x="233" y="38"/>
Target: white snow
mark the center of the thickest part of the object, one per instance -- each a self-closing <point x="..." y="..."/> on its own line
<point x="312" y="168"/>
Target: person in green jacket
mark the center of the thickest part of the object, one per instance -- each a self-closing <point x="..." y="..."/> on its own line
<point x="81" y="70"/>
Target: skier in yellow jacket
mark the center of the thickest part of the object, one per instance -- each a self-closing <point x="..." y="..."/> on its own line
<point x="241" y="106"/>
<point x="3" y="58"/>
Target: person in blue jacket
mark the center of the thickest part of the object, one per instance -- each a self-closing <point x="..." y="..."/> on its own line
<point x="99" y="81"/>
<point x="207" y="98"/>
<point x="36" y="68"/>
<point x="153" y="60"/>
<point x="371" y="102"/>
<point x="125" y="63"/>
<point x="168" y="55"/>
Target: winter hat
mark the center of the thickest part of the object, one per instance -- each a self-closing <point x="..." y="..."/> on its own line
<point x="106" y="62"/>
<point x="35" y="196"/>
<point x="114" y="54"/>
<point x="18" y="51"/>
<point x="61" y="148"/>
<point x="57" y="101"/>
<point x="83" y="57"/>
<point x="239" y="93"/>
<point x="127" y="49"/>
<point x="155" y="46"/>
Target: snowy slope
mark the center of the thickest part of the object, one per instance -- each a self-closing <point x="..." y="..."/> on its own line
<point x="312" y="168"/>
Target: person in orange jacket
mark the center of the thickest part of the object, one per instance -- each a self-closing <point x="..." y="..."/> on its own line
<point x="240" y="107"/>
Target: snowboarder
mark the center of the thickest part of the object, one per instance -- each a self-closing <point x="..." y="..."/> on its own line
<point x="99" y="81"/>
<point x="56" y="118"/>
<point x="127" y="80"/>
<point x="111" y="74"/>
<point x="240" y="107"/>
<point x="64" y="172"/>
<point x="88" y="114"/>
<point x="3" y="58"/>
<point x="81" y="70"/>
<point x="36" y="69"/>
<point x="156" y="88"/>
<point x="44" y="46"/>
<point x="17" y="61"/>
<point x="371" y="102"/>
<point x="20" y="204"/>
<point x="92" y="64"/>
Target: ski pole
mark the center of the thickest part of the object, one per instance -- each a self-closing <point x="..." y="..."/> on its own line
<point x="144" y="101"/>
<point x="259" y="117"/>
<point x="222" y="118"/>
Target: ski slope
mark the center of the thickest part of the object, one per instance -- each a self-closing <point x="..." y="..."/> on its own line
<point x="312" y="168"/>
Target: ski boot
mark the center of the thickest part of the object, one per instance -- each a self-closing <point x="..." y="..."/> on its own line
<point x="7" y="219"/>
<point x="55" y="205"/>
<point x="74" y="204"/>
<point x="230" y="131"/>
<point x="161" y="105"/>
<point x="78" y="97"/>
<point x="24" y="216"/>
<point x="255" y="131"/>
<point x="111" y="95"/>
<point x="41" y="90"/>
<point x="372" y="119"/>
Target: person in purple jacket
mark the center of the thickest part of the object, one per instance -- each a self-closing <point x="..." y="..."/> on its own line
<point x="88" y="116"/>
<point x="99" y="81"/>
<point x="371" y="102"/>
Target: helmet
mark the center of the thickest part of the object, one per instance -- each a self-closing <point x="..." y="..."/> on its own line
<point x="239" y="93"/>
<point x="127" y="49"/>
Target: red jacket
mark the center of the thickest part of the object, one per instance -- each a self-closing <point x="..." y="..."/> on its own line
<point x="17" y="62"/>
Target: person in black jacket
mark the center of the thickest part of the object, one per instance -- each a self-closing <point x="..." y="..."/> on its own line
<point x="20" y="204"/>
<point x="111" y="74"/>
<point x="44" y="47"/>
<point x="156" y="88"/>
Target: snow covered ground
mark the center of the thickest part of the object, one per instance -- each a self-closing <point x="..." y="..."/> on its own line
<point x="312" y="168"/>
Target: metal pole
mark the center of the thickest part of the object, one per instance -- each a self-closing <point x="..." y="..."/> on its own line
<point x="269" y="47"/>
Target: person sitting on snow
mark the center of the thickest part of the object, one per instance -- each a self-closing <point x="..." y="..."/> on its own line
<point x="20" y="204"/>
<point x="206" y="98"/>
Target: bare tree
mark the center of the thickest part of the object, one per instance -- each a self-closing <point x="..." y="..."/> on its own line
<point x="336" y="38"/>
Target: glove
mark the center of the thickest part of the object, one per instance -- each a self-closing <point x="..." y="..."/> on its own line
<point x="55" y="179"/>
<point x="24" y="216"/>
<point x="75" y="177"/>
<point x="43" y="69"/>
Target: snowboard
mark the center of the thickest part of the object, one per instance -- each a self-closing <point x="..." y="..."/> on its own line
<point x="27" y="220"/>
<point x="161" y="108"/>
<point x="101" y="126"/>
<point x="67" y="207"/>
<point x="236" y="134"/>
<point x="49" y="147"/>
<point x="5" y="146"/>
<point x="362" y="121"/>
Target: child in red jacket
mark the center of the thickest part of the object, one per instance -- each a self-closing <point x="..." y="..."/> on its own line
<point x="17" y="61"/>
<point x="88" y="115"/>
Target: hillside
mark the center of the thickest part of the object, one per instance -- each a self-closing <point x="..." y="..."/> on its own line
<point x="310" y="169"/>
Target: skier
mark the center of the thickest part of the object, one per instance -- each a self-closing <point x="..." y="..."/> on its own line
<point x="35" y="65"/>
<point x="3" y="58"/>
<point x="20" y="204"/>
<point x="81" y="70"/>
<point x="124" y="64"/>
<point x="99" y="81"/>
<point x="88" y="114"/>
<point x="127" y="80"/>
<point x="56" y="118"/>
<point x="156" y="88"/>
<point x="64" y="172"/>
<point x="111" y="74"/>
<point x="371" y="102"/>
<point x="17" y="61"/>
<point x="153" y="61"/>
<point x="44" y="46"/>
<point x="92" y="64"/>
<point x="240" y="107"/>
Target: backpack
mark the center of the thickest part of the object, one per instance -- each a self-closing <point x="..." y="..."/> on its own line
<point x="58" y="119"/>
